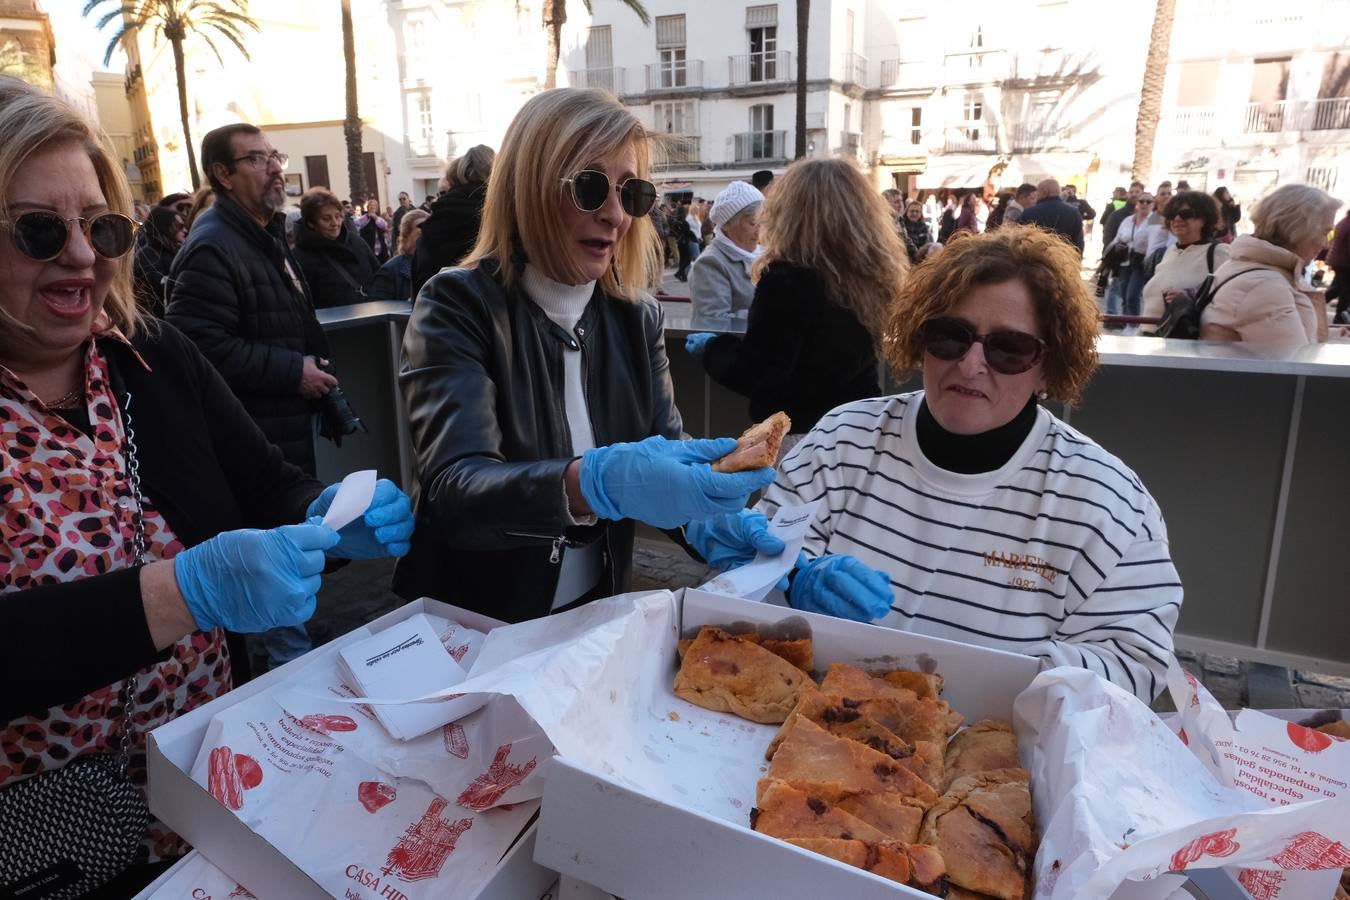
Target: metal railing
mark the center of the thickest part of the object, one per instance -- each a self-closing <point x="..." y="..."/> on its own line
<point x="975" y="66"/>
<point x="611" y="79"/>
<point x="749" y="146"/>
<point x="679" y="151"/>
<point x="761" y="68"/>
<point x="674" y="76"/>
<point x="1193" y="123"/>
<point x="1327" y="114"/>
<point x="855" y="68"/>
<point x="971" y="139"/>
<point x="1029" y="138"/>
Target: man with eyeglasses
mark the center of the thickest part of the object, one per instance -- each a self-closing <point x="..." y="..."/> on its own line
<point x="240" y="296"/>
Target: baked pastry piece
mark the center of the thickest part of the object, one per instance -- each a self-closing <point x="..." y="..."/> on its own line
<point x="784" y="811"/>
<point x="897" y="816"/>
<point x="985" y="746"/>
<point x="912" y="717"/>
<point x="924" y="684"/>
<point x="1340" y="728"/>
<point x="724" y="674"/>
<point x="850" y="681"/>
<point x="984" y="829"/>
<point x="758" y="445"/>
<point x="915" y="865"/>
<point x="833" y="768"/>
<point x="796" y="651"/>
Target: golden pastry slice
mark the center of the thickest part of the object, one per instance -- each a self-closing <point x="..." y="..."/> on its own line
<point x="984" y="829"/>
<point x="724" y="674"/>
<point x="797" y="651"/>
<point x="890" y="859"/>
<point x="983" y="747"/>
<point x="758" y="445"/>
<point x="897" y="816"/>
<point x="850" y="681"/>
<point x="924" y="684"/>
<point x="784" y="811"/>
<point x="833" y="767"/>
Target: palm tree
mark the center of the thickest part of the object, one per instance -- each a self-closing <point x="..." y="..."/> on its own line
<point x="555" y="17"/>
<point x="803" y="20"/>
<point x="175" y="20"/>
<point x="1150" y="99"/>
<point x="351" y="125"/>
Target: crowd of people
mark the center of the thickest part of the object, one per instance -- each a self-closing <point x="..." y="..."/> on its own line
<point x="534" y="372"/>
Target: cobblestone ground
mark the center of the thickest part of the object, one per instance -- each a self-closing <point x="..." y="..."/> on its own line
<point x="360" y="592"/>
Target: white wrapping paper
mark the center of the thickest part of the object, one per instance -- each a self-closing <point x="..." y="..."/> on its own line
<point x="195" y="878"/>
<point x="1119" y="797"/>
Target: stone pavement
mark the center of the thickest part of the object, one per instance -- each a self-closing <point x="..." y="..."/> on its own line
<point x="360" y="592"/>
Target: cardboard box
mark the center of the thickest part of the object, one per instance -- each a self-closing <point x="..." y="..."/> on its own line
<point x="624" y="839"/>
<point x="230" y="844"/>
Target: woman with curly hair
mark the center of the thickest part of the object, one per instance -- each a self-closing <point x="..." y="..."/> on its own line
<point x="832" y="265"/>
<point x="968" y="511"/>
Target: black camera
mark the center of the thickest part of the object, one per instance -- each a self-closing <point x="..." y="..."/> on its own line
<point x="337" y="419"/>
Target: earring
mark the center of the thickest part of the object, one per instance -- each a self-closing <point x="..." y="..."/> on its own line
<point x="1042" y="395"/>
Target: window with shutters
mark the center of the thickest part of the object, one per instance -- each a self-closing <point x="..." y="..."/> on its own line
<point x="600" y="58"/>
<point x="670" y="47"/>
<point x="916" y="125"/>
<point x="762" y="24"/>
<point x="676" y="117"/>
<point x="426" y="131"/>
<point x="972" y="116"/>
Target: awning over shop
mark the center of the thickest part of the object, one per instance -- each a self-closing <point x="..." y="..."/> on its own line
<point x="959" y="170"/>
<point x="1035" y="167"/>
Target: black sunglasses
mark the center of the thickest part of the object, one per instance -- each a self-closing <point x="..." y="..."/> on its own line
<point x="1008" y="352"/>
<point x="1182" y="214"/>
<point x="590" y="190"/>
<point x="42" y="236"/>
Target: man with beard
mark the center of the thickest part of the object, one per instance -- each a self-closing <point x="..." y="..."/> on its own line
<point x="239" y="295"/>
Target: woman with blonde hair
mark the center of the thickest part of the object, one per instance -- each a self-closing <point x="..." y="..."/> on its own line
<point x="967" y="510"/>
<point x="832" y="266"/>
<point x="1257" y="295"/>
<point x="450" y="233"/>
<point x="537" y="384"/>
<point x="133" y="536"/>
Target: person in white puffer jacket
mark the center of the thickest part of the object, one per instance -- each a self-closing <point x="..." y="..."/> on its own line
<point x="1263" y="303"/>
<point x="1191" y="217"/>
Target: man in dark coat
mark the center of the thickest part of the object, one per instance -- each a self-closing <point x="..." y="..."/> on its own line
<point x="1053" y="214"/>
<point x="404" y="207"/>
<point x="239" y="295"/>
<point x="450" y="233"/>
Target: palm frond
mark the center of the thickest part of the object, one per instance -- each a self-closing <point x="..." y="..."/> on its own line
<point x="112" y="46"/>
<point x="637" y="7"/>
<point x="206" y="38"/>
<point x="236" y="39"/>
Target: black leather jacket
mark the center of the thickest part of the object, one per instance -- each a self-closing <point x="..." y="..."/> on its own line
<point x="482" y="376"/>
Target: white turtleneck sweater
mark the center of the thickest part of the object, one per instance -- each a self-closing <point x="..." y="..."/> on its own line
<point x="564" y="304"/>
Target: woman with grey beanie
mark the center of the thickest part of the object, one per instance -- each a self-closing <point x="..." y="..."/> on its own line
<point x="719" y="284"/>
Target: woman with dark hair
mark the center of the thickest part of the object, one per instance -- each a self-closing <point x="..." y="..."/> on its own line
<point x="967" y="221"/>
<point x="337" y="263"/>
<point x="536" y="380"/>
<point x="1230" y="213"/>
<point x="1192" y="217"/>
<point x="450" y="233"/>
<point x="161" y="236"/>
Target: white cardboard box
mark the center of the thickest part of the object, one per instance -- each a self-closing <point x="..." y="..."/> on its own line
<point x="243" y="854"/>
<point x="630" y="843"/>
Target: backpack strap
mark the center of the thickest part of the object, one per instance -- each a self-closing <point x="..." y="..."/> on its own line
<point x="1207" y="297"/>
<point x="1209" y="256"/>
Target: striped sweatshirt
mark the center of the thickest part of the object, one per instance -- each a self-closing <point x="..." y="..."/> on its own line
<point x="1060" y="554"/>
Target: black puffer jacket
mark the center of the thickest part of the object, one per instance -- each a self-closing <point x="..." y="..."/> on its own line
<point x="339" y="270"/>
<point x="802" y="353"/>
<point x="234" y="297"/>
<point x="450" y="233"/>
<point x="482" y="376"/>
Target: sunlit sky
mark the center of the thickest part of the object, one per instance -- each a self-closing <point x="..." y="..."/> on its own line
<point x="76" y="36"/>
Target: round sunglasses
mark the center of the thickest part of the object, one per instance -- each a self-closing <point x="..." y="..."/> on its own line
<point x="1007" y="352"/>
<point x="43" y="236"/>
<point x="590" y="190"/>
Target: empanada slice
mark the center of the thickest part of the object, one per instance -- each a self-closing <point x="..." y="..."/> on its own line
<point x="797" y="651"/>
<point x="890" y="859"/>
<point x="724" y="674"/>
<point x="785" y="811"/>
<point x="924" y="684"/>
<point x="833" y="767"/>
<point x="986" y="746"/>
<point x="984" y="829"/>
<point x="898" y="816"/>
<point x="850" y="681"/>
<point x="758" y="445"/>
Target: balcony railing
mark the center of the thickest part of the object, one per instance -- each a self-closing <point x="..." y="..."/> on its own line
<point x="1027" y="138"/>
<point x="761" y="68"/>
<point x="1326" y="115"/>
<point x="679" y="151"/>
<point x="1296" y="115"/>
<point x="1193" y="123"/>
<point x="675" y="76"/>
<point x="980" y="138"/>
<point x="850" y="145"/>
<point x="904" y="74"/>
<point x="976" y="67"/>
<point x="611" y="79"/>
<point x="753" y="146"/>
<point x="855" y="68"/>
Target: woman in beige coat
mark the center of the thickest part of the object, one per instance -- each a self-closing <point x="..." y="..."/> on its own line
<point x="1262" y="303"/>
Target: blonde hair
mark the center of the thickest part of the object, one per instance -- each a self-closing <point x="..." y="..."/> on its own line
<point x="33" y="121"/>
<point x="824" y="215"/>
<point x="1046" y="264"/>
<point x="1292" y="214"/>
<point x="411" y="219"/>
<point x="474" y="167"/>
<point x="556" y="134"/>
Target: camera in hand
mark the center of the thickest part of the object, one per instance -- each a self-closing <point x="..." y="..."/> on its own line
<point x="337" y="419"/>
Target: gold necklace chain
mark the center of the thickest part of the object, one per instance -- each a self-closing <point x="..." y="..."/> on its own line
<point x="64" y="400"/>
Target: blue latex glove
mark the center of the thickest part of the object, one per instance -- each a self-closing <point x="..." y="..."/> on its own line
<point x="696" y="343"/>
<point x="729" y="541"/>
<point x="384" y="530"/>
<point x="252" y="581"/>
<point x="666" y="483"/>
<point x="839" y="585"/>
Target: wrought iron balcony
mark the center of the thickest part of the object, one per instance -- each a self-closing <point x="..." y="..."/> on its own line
<point x="761" y="68"/>
<point x="679" y="151"/>
<point x="981" y="138"/>
<point x="755" y="146"/>
<point x="855" y="69"/>
<point x="611" y="79"/>
<point x="1027" y="138"/>
<point x="675" y="76"/>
